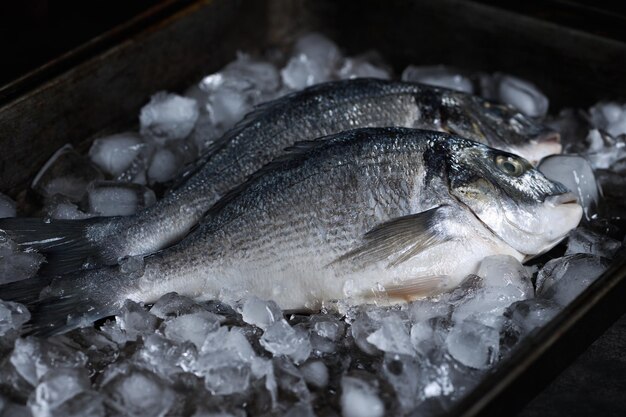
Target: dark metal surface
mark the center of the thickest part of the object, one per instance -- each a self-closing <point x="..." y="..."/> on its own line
<point x="105" y="91"/>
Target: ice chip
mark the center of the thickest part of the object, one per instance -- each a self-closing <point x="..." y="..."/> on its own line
<point x="290" y="380"/>
<point x="428" y="335"/>
<point x="67" y="174"/>
<point x="192" y="327"/>
<point x="224" y="372"/>
<point x="474" y="344"/>
<point x="33" y="358"/>
<point x="315" y="373"/>
<point x="360" y="399"/>
<point x="12" y="316"/>
<point x="575" y="173"/>
<point x="392" y="337"/>
<point x="282" y="339"/>
<point x="581" y="240"/>
<point x="140" y="393"/>
<point x="439" y="76"/>
<point x="114" y="154"/>
<point x="367" y="321"/>
<point x="168" y="117"/>
<point x="604" y="150"/>
<point x="563" y="279"/>
<point x="7" y="206"/>
<point x="521" y="94"/>
<point x="260" y="313"/>
<point x="109" y="198"/>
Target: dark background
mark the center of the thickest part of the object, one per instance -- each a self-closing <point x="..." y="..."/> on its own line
<point x="35" y="32"/>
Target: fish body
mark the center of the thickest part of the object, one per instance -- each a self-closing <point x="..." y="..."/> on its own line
<point x="315" y="112"/>
<point x="370" y="214"/>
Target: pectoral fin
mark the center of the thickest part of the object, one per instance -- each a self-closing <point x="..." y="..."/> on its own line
<point x="415" y="288"/>
<point x="399" y="239"/>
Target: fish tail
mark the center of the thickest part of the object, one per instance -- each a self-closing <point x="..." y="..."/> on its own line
<point x="66" y="303"/>
<point x="67" y="244"/>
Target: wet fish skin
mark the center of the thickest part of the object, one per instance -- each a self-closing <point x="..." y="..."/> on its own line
<point x="370" y="212"/>
<point x="317" y="111"/>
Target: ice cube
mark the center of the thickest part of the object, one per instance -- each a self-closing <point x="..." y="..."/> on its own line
<point x="66" y="173"/>
<point x="315" y="373"/>
<point x="326" y="331"/>
<point x="609" y="116"/>
<point x="290" y="380"/>
<point x="581" y="240"/>
<point x="34" y="358"/>
<point x="114" y="154"/>
<point x="532" y="313"/>
<point x="563" y="279"/>
<point x="139" y="393"/>
<point x="367" y="321"/>
<point x="612" y="184"/>
<point x="7" y="206"/>
<point x="403" y="374"/>
<point x="575" y="173"/>
<point x="168" y="117"/>
<point x="192" y="327"/>
<point x="64" y="210"/>
<point x="429" y="334"/>
<point x="282" y="339"/>
<point x="12" y="316"/>
<point x="604" y="150"/>
<point x="426" y="309"/>
<point x="16" y="265"/>
<point x="300" y="410"/>
<point x="521" y="94"/>
<point x="474" y="344"/>
<point x="439" y="76"/>
<point x="505" y="271"/>
<point x="392" y="337"/>
<point x="132" y="321"/>
<point x="163" y="356"/>
<point x="260" y="313"/>
<point x="573" y="126"/>
<point x="164" y="166"/>
<point x="314" y="59"/>
<point x="66" y="392"/>
<point x="173" y="304"/>
<point x="360" y="399"/>
<point x="363" y="66"/>
<point x="109" y="198"/>
<point x="224" y="372"/>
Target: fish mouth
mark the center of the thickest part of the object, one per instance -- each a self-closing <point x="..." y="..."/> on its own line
<point x="559" y="199"/>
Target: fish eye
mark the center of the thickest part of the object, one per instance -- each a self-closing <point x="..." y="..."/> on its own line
<point x="510" y="165"/>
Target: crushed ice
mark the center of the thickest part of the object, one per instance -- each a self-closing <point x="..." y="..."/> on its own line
<point x="182" y="357"/>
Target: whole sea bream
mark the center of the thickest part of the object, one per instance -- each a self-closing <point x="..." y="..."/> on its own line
<point x="391" y="213"/>
<point x="317" y="111"/>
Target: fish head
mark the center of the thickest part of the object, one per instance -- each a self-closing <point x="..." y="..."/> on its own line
<point x="501" y="126"/>
<point x="514" y="200"/>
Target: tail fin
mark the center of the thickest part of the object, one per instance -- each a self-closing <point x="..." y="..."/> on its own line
<point x="63" y="304"/>
<point x="65" y="243"/>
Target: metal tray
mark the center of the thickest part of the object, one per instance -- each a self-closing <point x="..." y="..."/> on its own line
<point x="102" y="86"/>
